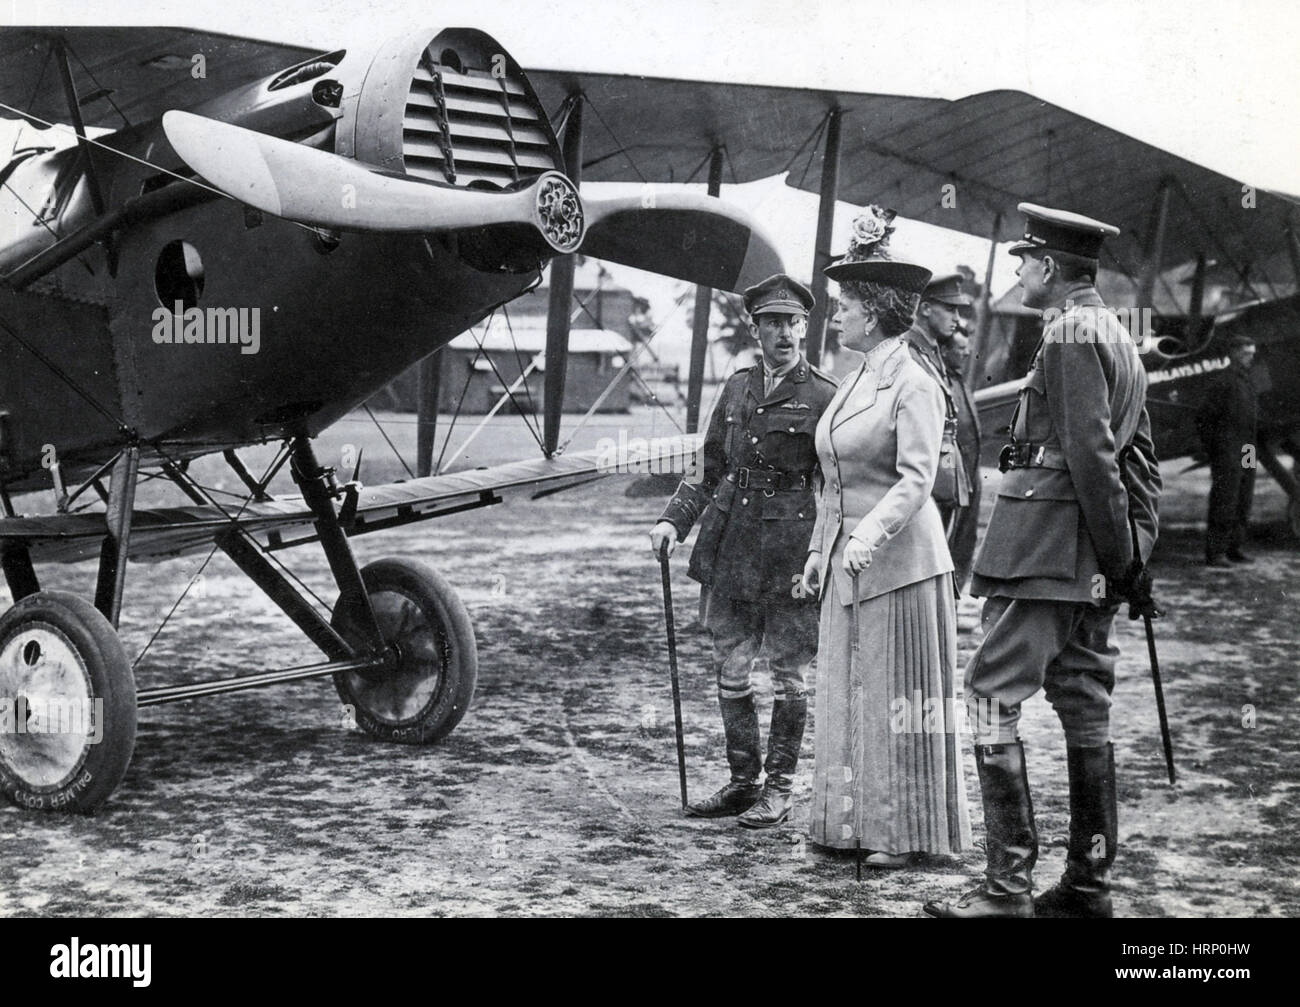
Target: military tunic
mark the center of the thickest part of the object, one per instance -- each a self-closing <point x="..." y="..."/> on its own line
<point x="756" y="495"/>
<point x="952" y="489"/>
<point x="961" y="537"/>
<point x="757" y="507"/>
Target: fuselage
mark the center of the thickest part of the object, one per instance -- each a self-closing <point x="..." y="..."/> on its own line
<point x="155" y="326"/>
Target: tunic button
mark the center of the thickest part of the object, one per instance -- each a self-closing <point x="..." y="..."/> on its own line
<point x="792" y="430"/>
<point x="835" y="487"/>
<point x="744" y="500"/>
<point x="1029" y="493"/>
<point x="760" y="410"/>
<point x="753" y="440"/>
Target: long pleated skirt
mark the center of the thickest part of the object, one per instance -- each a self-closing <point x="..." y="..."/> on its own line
<point x="888" y="772"/>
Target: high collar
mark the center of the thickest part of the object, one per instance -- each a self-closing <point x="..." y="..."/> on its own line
<point x="1081" y="295"/>
<point x="875" y="357"/>
<point x="783" y="388"/>
<point x="784" y="369"/>
<point x="921" y="337"/>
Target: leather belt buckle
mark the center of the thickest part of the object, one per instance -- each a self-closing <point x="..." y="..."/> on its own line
<point x="742" y="479"/>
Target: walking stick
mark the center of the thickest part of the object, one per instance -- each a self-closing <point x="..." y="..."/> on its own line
<point x="855" y="713"/>
<point x="1150" y="631"/>
<point x="672" y="667"/>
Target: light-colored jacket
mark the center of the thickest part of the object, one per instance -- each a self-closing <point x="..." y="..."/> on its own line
<point x="878" y="444"/>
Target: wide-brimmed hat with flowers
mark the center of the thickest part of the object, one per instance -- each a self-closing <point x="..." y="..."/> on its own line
<point x="867" y="259"/>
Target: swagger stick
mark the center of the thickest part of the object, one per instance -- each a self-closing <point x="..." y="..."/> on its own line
<point x="672" y="667"/>
<point x="1146" y="622"/>
<point x="855" y="714"/>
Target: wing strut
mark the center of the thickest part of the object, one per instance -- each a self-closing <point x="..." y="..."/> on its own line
<point x="979" y="346"/>
<point x="557" y="311"/>
<point x="700" y="333"/>
<point x="74" y="111"/>
<point x="428" y="387"/>
<point x="825" y="222"/>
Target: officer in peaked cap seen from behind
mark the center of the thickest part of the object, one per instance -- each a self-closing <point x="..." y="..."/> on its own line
<point x="1057" y="559"/>
<point x="756" y="508"/>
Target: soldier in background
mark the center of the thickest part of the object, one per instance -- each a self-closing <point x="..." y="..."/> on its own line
<point x="932" y="329"/>
<point x="1227" y="422"/>
<point x="758" y="509"/>
<point x="961" y="537"/>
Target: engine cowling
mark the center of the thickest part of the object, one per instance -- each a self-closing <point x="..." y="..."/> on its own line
<point x="455" y="110"/>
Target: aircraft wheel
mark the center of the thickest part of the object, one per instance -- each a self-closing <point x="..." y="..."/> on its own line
<point x="428" y="693"/>
<point x="67" y="704"/>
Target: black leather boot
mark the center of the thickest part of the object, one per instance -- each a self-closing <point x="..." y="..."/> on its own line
<point x="1084" y="889"/>
<point x="1011" y="840"/>
<point x="773" y="806"/>
<point x="744" y="755"/>
<point x="783" y="743"/>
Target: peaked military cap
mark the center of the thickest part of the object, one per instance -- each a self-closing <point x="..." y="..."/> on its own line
<point x="779" y="294"/>
<point x="1061" y="231"/>
<point x="946" y="289"/>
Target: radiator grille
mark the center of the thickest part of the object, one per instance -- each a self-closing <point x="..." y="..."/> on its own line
<point x="467" y="126"/>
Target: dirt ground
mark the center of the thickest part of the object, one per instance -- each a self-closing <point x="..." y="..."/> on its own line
<point x="557" y="795"/>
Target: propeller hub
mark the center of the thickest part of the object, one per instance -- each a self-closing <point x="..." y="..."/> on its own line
<point x="559" y="212"/>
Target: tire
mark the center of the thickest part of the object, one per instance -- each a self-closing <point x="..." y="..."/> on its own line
<point x="1293" y="517"/>
<point x="63" y="659"/>
<point x="431" y="689"/>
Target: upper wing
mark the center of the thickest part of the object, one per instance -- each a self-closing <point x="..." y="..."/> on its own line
<point x="996" y="149"/>
<point x="142" y="71"/>
<point x="172" y="531"/>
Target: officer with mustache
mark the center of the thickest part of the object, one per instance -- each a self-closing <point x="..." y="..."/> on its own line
<point x="757" y="508"/>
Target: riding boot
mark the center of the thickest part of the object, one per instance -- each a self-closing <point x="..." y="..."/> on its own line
<point x="1084" y="889"/>
<point x="744" y="755"/>
<point x="783" y="743"/>
<point x="1011" y="840"/>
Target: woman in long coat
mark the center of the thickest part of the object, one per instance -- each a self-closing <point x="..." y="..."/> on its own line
<point x="888" y="773"/>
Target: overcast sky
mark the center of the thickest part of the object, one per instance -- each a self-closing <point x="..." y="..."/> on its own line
<point x="1215" y="82"/>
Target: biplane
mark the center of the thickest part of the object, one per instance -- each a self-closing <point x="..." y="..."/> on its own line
<point x="362" y="207"/>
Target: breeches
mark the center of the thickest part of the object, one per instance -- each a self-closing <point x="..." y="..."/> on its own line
<point x="1062" y="647"/>
<point x="785" y="634"/>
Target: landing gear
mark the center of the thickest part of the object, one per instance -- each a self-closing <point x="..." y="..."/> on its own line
<point x="399" y="646"/>
<point x="427" y="688"/>
<point x="67" y="704"/>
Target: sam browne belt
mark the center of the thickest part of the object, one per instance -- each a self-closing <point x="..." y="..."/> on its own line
<point x="1029" y="456"/>
<point x="771" y="479"/>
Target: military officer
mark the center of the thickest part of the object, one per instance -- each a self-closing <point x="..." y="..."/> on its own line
<point x="961" y="537"/>
<point x="757" y="501"/>
<point x="1227" y="421"/>
<point x="932" y="329"/>
<point x="1057" y="558"/>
